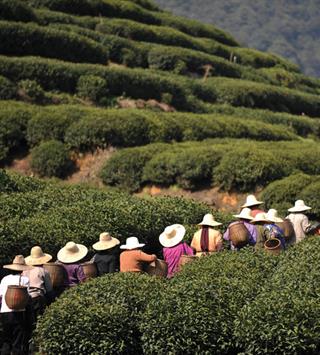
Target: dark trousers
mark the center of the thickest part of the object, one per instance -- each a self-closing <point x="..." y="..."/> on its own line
<point x="15" y="333"/>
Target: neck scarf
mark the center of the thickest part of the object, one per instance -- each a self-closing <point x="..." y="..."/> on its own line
<point x="204" y="241"/>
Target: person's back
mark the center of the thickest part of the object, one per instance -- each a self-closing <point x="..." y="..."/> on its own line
<point x="214" y="241"/>
<point x="132" y="260"/>
<point x="107" y="261"/>
<point x="300" y="224"/>
<point x="173" y="254"/>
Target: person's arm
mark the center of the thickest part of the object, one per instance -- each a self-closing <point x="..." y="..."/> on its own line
<point x="219" y="242"/>
<point x="253" y="233"/>
<point x="188" y="250"/>
<point x="146" y="257"/>
<point x="226" y="235"/>
<point x="305" y="224"/>
<point x="80" y="274"/>
<point x="47" y="282"/>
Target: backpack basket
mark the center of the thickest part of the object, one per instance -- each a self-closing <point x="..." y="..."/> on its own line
<point x="287" y="227"/>
<point x="239" y="234"/>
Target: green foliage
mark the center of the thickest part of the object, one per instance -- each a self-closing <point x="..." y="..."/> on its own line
<point x="30" y="39"/>
<point x="15" y="10"/>
<point x="7" y="185"/>
<point x="7" y="89"/>
<point x="32" y="90"/>
<point x="283" y="318"/>
<point x="92" y="88"/>
<point x="51" y="159"/>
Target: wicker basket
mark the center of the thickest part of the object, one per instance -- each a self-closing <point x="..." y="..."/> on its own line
<point x="273" y="246"/>
<point x="287" y="228"/>
<point x="239" y="234"/>
<point x="17" y="297"/>
<point x="57" y="274"/>
<point x="157" y="268"/>
<point x="90" y="270"/>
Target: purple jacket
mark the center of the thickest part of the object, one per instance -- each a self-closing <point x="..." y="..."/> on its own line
<point x="75" y="274"/>
<point x="172" y="256"/>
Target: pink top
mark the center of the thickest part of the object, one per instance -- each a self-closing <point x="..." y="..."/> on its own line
<point x="172" y="256"/>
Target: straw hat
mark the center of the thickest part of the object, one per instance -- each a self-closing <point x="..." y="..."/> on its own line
<point x="105" y="242"/>
<point x="245" y="214"/>
<point x="172" y="235"/>
<point x="208" y="220"/>
<point x="132" y="243"/>
<point x="251" y="201"/>
<point x="18" y="264"/>
<point x="72" y="252"/>
<point x="272" y="216"/>
<point x="260" y="217"/>
<point x="37" y="257"/>
<point x="299" y="206"/>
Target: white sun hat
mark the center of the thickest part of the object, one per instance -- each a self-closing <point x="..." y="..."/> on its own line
<point x="208" y="220"/>
<point x="245" y="214"/>
<point x="105" y="242"/>
<point x="299" y="206"/>
<point x="260" y="217"/>
<point x="251" y="201"/>
<point x="272" y="216"/>
<point x="172" y="235"/>
<point x="37" y="257"/>
<point x="72" y="252"/>
<point x="132" y="243"/>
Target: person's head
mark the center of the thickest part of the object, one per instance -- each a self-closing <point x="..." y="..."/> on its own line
<point x="18" y="265"/>
<point x="37" y="257"/>
<point x="172" y="235"/>
<point x="244" y="215"/>
<point x="251" y="202"/>
<point x="132" y="243"/>
<point x="72" y="253"/>
<point x="299" y="207"/>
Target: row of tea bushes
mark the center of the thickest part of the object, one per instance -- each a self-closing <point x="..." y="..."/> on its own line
<point x="252" y="303"/>
<point x="53" y="214"/>
<point x="186" y="94"/>
<point x="17" y="38"/>
<point x="230" y="164"/>
<point x="281" y="194"/>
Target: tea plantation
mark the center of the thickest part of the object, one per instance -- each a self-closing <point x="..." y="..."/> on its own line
<point x="180" y="103"/>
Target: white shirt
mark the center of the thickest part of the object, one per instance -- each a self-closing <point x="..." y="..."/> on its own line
<point x="7" y="281"/>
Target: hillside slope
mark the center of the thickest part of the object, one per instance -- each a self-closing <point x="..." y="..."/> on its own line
<point x="288" y="28"/>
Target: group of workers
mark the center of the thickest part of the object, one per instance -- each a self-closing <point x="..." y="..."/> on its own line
<point x="259" y="226"/>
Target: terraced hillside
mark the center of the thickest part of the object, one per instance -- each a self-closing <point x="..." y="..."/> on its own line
<point x="191" y="106"/>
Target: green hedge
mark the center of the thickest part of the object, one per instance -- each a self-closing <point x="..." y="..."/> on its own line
<point x="30" y="39"/>
<point x="235" y="164"/>
<point x="284" y="317"/>
<point x="15" y="10"/>
<point x="7" y="89"/>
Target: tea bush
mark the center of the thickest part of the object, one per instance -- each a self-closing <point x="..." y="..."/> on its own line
<point x="7" y="89"/>
<point x="108" y="321"/>
<point x="283" y="318"/>
<point x="31" y="90"/>
<point x="92" y="87"/>
<point x="51" y="159"/>
<point x="15" y="10"/>
<point x="30" y="39"/>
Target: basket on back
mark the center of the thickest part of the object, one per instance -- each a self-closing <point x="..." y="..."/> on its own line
<point x="17" y="297"/>
<point x="90" y="270"/>
<point x="287" y="228"/>
<point x="157" y="268"/>
<point x="239" y="234"/>
<point x="57" y="274"/>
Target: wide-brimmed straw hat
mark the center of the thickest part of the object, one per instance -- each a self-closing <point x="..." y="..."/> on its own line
<point x="208" y="220"/>
<point x="260" y="217"/>
<point x="18" y="264"/>
<point x="272" y="216"/>
<point x="299" y="206"/>
<point x="132" y="243"/>
<point x="172" y="235"/>
<point x="245" y="214"/>
<point x="37" y="257"/>
<point x="72" y="252"/>
<point x="251" y="201"/>
<point x="105" y="242"/>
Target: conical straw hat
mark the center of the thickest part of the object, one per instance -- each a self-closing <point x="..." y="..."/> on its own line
<point x="251" y="201"/>
<point x="299" y="206"/>
<point x="172" y="235"/>
<point x="272" y="216"/>
<point x="105" y="242"/>
<point x="208" y="220"/>
<point x="260" y="217"/>
<point x="37" y="257"/>
<point x="245" y="214"/>
<point x="72" y="252"/>
<point x="18" y="264"/>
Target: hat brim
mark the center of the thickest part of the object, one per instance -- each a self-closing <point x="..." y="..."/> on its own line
<point x="257" y="203"/>
<point x="276" y="220"/>
<point x="66" y="258"/>
<point x="171" y="242"/>
<point x="17" y="267"/>
<point x="299" y="209"/>
<point x="213" y="224"/>
<point x="38" y="261"/>
<point x="260" y="220"/>
<point x="130" y="247"/>
<point x="243" y="217"/>
<point x="106" y="245"/>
